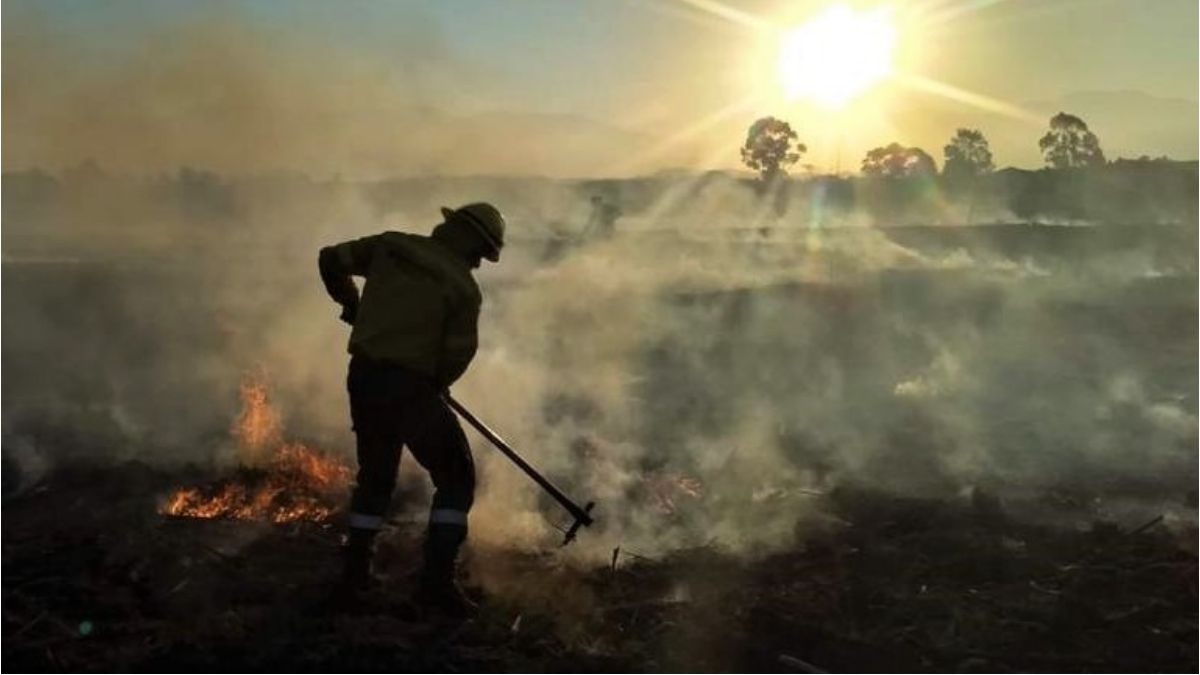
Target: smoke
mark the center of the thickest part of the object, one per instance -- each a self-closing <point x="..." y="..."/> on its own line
<point x="217" y="90"/>
<point x="768" y="373"/>
<point x="706" y="374"/>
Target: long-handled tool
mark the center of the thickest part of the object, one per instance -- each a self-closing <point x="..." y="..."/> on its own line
<point x="583" y="517"/>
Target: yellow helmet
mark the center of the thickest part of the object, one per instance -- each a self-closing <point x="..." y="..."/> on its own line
<point x="486" y="220"/>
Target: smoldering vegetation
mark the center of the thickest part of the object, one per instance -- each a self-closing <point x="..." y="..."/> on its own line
<point x="850" y="424"/>
<point x="95" y="580"/>
<point x="842" y="444"/>
<point x="816" y="438"/>
<point x="831" y="423"/>
<point x="704" y="366"/>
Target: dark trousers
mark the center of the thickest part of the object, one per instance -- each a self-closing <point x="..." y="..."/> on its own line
<point x="392" y="407"/>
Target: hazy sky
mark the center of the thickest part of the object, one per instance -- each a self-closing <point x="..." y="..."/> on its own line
<point x="593" y="79"/>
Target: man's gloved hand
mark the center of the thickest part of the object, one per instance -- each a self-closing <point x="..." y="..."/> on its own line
<point x="349" y="313"/>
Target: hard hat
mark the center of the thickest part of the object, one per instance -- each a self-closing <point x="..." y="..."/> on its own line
<point x="486" y="220"/>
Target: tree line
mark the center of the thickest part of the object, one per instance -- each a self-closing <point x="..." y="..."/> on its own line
<point x="772" y="147"/>
<point x="900" y="183"/>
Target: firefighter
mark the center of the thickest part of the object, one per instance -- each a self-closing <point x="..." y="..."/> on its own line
<point x="414" y="333"/>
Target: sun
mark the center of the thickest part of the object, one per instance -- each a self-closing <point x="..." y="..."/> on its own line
<point x="837" y="55"/>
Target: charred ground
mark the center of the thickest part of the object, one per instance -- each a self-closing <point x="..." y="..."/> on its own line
<point x="966" y="455"/>
<point x="96" y="580"/>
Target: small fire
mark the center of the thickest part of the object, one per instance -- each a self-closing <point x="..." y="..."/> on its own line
<point x="667" y="490"/>
<point x="297" y="482"/>
<point x="300" y="483"/>
<point x="259" y="427"/>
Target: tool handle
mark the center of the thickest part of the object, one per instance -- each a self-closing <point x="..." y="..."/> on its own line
<point x="581" y="515"/>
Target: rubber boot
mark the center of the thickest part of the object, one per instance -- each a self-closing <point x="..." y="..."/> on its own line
<point x="356" y="560"/>
<point x="439" y="590"/>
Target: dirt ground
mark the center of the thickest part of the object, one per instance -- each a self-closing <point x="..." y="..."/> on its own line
<point x="94" y="579"/>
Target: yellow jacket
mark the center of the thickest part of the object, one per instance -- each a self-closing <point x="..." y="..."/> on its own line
<point x="419" y="307"/>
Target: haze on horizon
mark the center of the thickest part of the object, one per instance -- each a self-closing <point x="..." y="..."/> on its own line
<point x="534" y="87"/>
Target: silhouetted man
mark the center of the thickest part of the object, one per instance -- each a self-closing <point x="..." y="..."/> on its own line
<point x="415" y="332"/>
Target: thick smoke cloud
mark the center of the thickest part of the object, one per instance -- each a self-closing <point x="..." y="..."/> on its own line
<point x="706" y="374"/>
<point x="773" y="371"/>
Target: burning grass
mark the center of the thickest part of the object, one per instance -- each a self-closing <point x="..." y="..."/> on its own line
<point x="300" y="483"/>
<point x="296" y="483"/>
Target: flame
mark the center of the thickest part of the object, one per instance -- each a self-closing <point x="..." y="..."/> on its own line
<point x="259" y="427"/>
<point x="666" y="490"/>
<point x="297" y="482"/>
<point x="300" y="483"/>
<point x="320" y="470"/>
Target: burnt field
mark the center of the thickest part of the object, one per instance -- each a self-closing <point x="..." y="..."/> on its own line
<point x="95" y="580"/>
<point x="912" y="449"/>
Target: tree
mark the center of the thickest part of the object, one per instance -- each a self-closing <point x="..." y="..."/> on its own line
<point x="897" y="161"/>
<point x="900" y="183"/>
<point x="1069" y="145"/>
<point x="769" y="148"/>
<point x="967" y="156"/>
